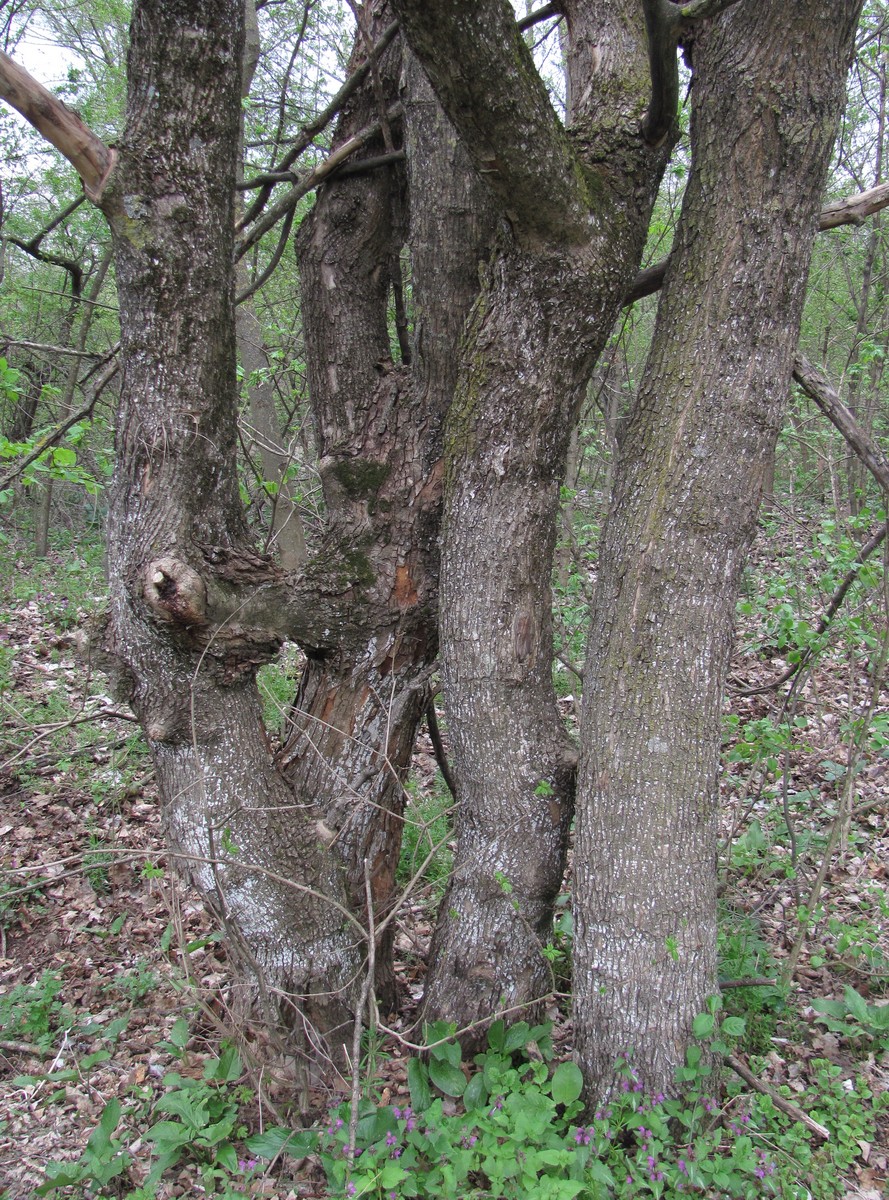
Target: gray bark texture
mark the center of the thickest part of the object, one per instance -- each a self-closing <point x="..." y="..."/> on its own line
<point x="378" y="424"/>
<point x="574" y="208"/>
<point x="176" y="537"/>
<point x="767" y="92"/>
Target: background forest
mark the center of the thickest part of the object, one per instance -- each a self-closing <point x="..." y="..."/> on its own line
<point x="127" y="1067"/>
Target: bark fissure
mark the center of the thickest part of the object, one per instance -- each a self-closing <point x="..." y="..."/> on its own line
<point x="683" y="511"/>
<point x="549" y="295"/>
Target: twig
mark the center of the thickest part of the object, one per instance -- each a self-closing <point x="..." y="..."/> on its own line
<point x="753" y="981"/>
<point x="779" y="1102"/>
<point x="364" y="999"/>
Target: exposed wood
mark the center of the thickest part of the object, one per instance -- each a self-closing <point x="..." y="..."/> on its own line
<point x="62" y="128"/>
<point x="852" y="210"/>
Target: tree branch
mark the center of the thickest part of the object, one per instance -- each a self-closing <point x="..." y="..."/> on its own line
<point x="87" y="153"/>
<point x="491" y="91"/>
<point x="308" y="132"/>
<point x="662" y="26"/>
<point x="542" y="14"/>
<point x="817" y="388"/>
<point x="43" y="348"/>
<point x="851" y="210"/>
<point x="310" y="181"/>
<point x="786" y="1107"/>
<point x="32" y="247"/>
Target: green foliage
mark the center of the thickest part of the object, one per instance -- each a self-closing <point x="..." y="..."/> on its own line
<point x="199" y="1125"/>
<point x="557" y="950"/>
<point x="854" y="1018"/>
<point x="60" y="462"/>
<point x="277" y="682"/>
<point x="855" y="941"/>
<point x="508" y="1128"/>
<point x="102" y="1160"/>
<point x="807" y="1167"/>
<point x="34" y="1013"/>
<point x="136" y="984"/>
<point x="744" y="955"/>
<point x="427" y="830"/>
<point x="204" y="1119"/>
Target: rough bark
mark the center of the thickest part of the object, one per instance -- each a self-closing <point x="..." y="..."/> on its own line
<point x="575" y="206"/>
<point x="768" y="84"/>
<point x="176" y="533"/>
<point x="378" y="426"/>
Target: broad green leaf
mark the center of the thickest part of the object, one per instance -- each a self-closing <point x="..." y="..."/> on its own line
<point x="703" y="1024"/>
<point x="496" y="1035"/>
<point x="476" y="1094"/>
<point x="516" y="1037"/>
<point x="418" y="1082"/>
<point x="447" y="1078"/>
<point x="271" y="1142"/>
<point x="567" y="1083"/>
<point x="856" y="1005"/>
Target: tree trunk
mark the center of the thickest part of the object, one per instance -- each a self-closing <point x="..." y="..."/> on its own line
<point x="570" y="241"/>
<point x="379" y="443"/>
<point x="182" y="575"/>
<point x="768" y="85"/>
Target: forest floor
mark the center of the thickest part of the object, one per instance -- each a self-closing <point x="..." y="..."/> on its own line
<point x="103" y="952"/>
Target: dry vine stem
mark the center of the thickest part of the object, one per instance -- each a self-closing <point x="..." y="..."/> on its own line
<point x="844" y="808"/>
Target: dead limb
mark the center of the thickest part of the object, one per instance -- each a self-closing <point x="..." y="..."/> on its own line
<point x="779" y="1102"/>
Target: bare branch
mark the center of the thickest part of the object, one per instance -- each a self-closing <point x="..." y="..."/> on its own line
<point x="62" y="128"/>
<point x="850" y="211"/>
<point x="542" y="14"/>
<point x="817" y="388"/>
<point x="56" y="221"/>
<point x="308" y="132"/>
<point x="43" y="348"/>
<point x="786" y="1107"/>
<point x="310" y="181"/>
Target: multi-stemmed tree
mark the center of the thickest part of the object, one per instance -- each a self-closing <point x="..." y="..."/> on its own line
<point x="442" y="444"/>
